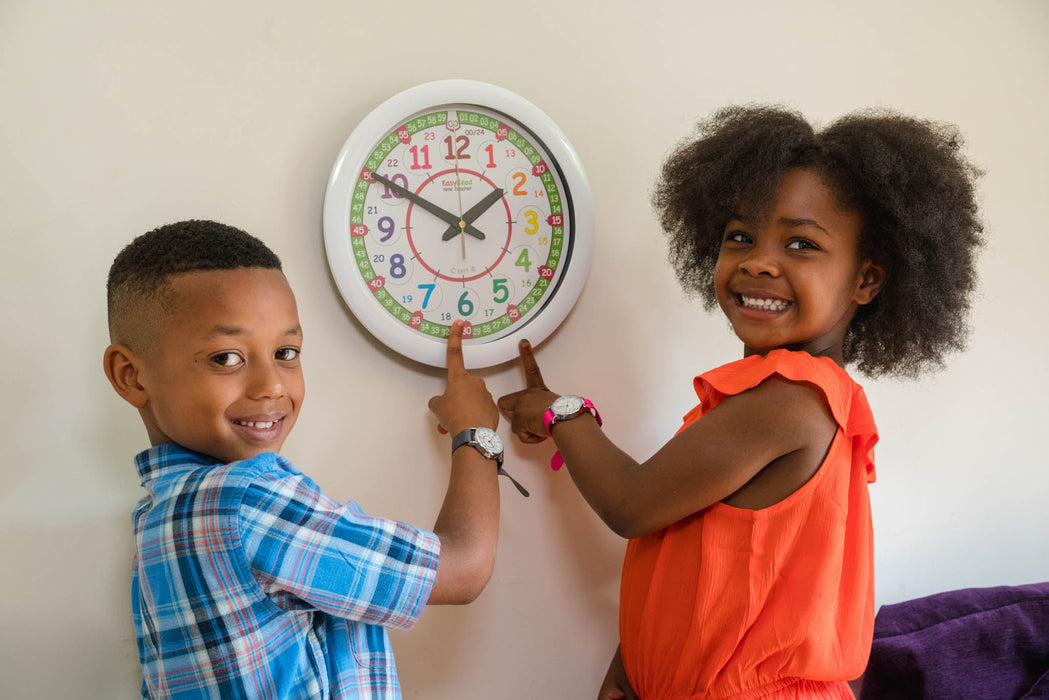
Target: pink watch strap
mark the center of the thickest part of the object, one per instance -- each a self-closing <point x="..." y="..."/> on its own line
<point x="557" y="461"/>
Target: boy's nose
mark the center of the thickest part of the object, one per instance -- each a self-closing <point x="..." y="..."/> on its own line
<point x="266" y="382"/>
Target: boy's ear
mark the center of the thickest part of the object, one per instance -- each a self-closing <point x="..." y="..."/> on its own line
<point x="121" y="367"/>
<point x="871" y="282"/>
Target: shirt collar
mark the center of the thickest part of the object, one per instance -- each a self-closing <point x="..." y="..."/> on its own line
<point x="161" y="460"/>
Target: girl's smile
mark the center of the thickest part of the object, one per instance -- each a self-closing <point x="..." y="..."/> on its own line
<point x="757" y="304"/>
<point x="792" y="278"/>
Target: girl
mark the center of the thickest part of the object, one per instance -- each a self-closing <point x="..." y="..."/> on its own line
<point x="749" y="568"/>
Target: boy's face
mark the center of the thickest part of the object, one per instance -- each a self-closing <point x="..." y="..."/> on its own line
<point x="224" y="376"/>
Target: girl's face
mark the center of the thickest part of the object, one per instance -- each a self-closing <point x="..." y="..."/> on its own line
<point x="793" y="279"/>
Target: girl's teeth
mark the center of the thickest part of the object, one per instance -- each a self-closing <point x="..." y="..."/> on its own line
<point x="765" y="304"/>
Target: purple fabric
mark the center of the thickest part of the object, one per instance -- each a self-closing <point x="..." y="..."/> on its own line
<point x="973" y="643"/>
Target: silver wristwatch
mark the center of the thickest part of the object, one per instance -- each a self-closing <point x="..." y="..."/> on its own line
<point x="490" y="445"/>
<point x="484" y="440"/>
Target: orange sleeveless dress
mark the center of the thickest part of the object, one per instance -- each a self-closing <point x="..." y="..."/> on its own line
<point x="773" y="603"/>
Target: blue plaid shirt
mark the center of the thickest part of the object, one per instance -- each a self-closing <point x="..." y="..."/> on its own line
<point x="250" y="583"/>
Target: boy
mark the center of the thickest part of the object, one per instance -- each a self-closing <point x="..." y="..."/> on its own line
<point x="248" y="581"/>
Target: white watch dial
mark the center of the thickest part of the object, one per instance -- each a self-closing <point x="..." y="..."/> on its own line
<point x="489" y="440"/>
<point x="566" y="405"/>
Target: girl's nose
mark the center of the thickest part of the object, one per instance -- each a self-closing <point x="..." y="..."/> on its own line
<point x="760" y="260"/>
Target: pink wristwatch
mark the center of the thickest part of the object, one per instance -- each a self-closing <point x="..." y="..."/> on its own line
<point x="566" y="408"/>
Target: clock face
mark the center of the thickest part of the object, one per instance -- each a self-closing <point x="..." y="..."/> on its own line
<point x="458" y="200"/>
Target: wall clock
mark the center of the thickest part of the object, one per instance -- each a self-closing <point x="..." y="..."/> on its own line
<point x="457" y="199"/>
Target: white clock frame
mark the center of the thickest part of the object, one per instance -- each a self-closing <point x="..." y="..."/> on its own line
<point x="555" y="304"/>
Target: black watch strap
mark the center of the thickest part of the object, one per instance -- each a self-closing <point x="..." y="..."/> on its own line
<point x="469" y="437"/>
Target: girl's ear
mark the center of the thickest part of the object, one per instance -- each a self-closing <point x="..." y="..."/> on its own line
<point x="122" y="367"/>
<point x="871" y="281"/>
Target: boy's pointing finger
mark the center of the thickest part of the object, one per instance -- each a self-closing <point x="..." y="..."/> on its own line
<point x="456" y="364"/>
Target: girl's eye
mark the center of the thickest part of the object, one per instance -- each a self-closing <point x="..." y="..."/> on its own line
<point x="802" y="244"/>
<point x="227" y="359"/>
<point x="287" y="354"/>
<point x="737" y="237"/>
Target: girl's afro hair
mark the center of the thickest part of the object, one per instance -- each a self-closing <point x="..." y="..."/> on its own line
<point x="906" y="177"/>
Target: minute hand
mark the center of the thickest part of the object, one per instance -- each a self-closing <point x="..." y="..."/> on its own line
<point x="473" y="213"/>
<point x="442" y="214"/>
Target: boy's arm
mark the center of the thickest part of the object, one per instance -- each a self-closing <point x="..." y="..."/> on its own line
<point x="468" y="523"/>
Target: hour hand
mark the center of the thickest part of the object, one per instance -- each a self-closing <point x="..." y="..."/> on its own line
<point x="471" y="215"/>
<point x="427" y="205"/>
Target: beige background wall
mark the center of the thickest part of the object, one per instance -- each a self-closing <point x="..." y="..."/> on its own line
<point x="118" y="116"/>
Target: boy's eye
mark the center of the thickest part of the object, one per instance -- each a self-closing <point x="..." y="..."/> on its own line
<point x="227" y="359"/>
<point x="802" y="244"/>
<point x="287" y="354"/>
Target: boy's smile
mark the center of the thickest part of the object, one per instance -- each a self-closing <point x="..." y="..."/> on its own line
<point x="224" y="377"/>
<point x="794" y="279"/>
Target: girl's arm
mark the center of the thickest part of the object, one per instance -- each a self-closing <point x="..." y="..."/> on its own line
<point x="751" y="451"/>
<point x="616" y="686"/>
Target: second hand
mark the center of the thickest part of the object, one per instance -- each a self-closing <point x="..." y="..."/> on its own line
<point x="459" y="192"/>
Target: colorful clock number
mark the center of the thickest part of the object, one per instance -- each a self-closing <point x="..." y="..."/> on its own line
<point x="387" y="227"/>
<point x="490" y="150"/>
<point x="458" y="151"/>
<point x="531" y="218"/>
<point x="397" y="267"/>
<point x="389" y="193"/>
<point x="467" y="304"/>
<point x="418" y="163"/>
<point x="524" y="260"/>
<point x="500" y="290"/>
<point x="428" y="288"/>
<point x="518" y="188"/>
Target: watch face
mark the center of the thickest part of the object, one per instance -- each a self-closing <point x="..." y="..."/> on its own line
<point x="458" y="200"/>
<point x="489" y="440"/>
<point x="566" y="405"/>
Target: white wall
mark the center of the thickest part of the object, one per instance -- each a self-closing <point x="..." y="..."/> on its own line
<point x="118" y="116"/>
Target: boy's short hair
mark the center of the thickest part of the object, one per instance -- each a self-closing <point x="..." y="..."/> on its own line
<point x="907" y="178"/>
<point x="139" y="279"/>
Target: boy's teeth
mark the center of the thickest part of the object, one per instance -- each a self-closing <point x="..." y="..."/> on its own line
<point x="765" y="304"/>
<point x="261" y="425"/>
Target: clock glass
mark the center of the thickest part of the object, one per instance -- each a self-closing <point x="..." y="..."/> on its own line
<point x="455" y="211"/>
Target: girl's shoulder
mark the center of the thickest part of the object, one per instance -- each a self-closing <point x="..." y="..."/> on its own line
<point x="843" y="395"/>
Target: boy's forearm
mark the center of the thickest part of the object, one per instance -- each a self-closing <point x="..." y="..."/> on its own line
<point x="468" y="527"/>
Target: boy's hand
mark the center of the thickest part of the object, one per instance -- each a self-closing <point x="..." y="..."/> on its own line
<point x="465" y="402"/>
<point x="524" y="409"/>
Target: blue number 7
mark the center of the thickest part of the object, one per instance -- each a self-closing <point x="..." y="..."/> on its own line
<point x="429" y="290"/>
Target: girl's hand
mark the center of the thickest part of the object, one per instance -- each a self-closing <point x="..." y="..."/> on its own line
<point x="616" y="686"/>
<point x="465" y="402"/>
<point x="524" y="409"/>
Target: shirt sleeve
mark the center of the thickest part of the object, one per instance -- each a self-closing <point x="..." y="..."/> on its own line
<point x="309" y="552"/>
